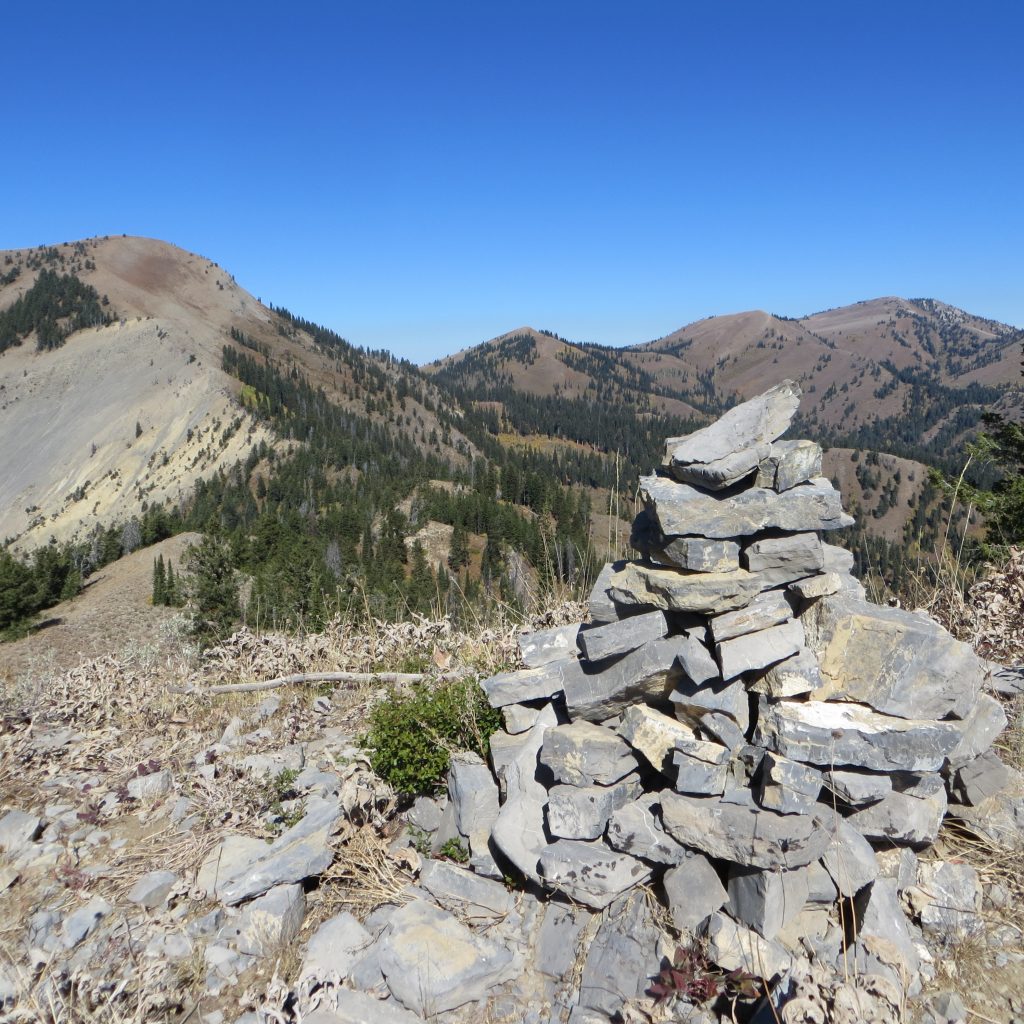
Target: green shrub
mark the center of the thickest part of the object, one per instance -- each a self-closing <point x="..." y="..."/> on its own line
<point x="413" y="733"/>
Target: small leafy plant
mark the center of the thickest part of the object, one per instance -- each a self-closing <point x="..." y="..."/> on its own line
<point x="414" y="732"/>
<point x="454" y="850"/>
<point x="691" y="976"/>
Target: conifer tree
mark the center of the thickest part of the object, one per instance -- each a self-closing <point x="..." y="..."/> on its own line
<point x="159" y="582"/>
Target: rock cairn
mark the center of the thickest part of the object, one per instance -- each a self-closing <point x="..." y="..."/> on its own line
<point x="739" y="727"/>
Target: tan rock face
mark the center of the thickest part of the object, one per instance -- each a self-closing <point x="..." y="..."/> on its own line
<point x="707" y="592"/>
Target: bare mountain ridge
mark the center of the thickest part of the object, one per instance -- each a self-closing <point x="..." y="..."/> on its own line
<point x="135" y="412"/>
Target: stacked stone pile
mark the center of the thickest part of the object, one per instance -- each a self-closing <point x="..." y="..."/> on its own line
<point x="738" y="726"/>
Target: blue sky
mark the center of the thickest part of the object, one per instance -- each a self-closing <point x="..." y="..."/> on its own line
<point x="421" y="177"/>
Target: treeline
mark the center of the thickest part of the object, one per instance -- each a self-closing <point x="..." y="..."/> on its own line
<point x="54" y="307"/>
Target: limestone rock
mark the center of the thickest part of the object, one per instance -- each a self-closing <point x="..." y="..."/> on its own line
<point x="767" y="609"/>
<point x="582" y="812"/>
<point x="850" y="860"/>
<point x="269" y="923"/>
<point x="779" y="560"/>
<point x="465" y="893"/>
<point x="694" y="892"/>
<point x="736" y="948"/>
<point x="788" y="787"/>
<point x="720" y="473"/>
<point x="692" y="702"/>
<point x="788" y="464"/>
<point x="979" y="729"/>
<point x="696" y="661"/>
<point x="519" y="829"/>
<point x="697" y="554"/>
<point x="791" y="677"/>
<point x="947" y="899"/>
<point x="519" y="718"/>
<point x="154" y="786"/>
<point x="902" y="818"/>
<point x="591" y="873"/>
<point x="606" y="641"/>
<point x="813" y="587"/>
<point x="473" y="793"/>
<point x="682" y="510"/>
<point x="743" y="834"/>
<point x="766" y="900"/>
<point x="548" y="645"/>
<point x="637" y="829"/>
<point x="979" y="779"/>
<point x="831" y="734"/>
<point x="747" y="425"/>
<point x="17" y="830"/>
<point x="858" y="789"/>
<point x="673" y="590"/>
<point x="351" y="1007"/>
<point x="646" y="673"/>
<point x="582" y="754"/>
<point x="433" y="963"/>
<point x="301" y="852"/>
<point x="897" y="662"/>
<point x="602" y="607"/>
<point x="152" y="889"/>
<point x="335" y="947"/>
<point x="654" y="735"/>
<point x="531" y="683"/>
<point x="754" y="651"/>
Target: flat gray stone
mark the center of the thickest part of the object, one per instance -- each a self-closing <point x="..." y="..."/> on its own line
<point x="754" y="651"/>
<point x="81" y="923"/>
<point x="779" y="560"/>
<point x="591" y="873"/>
<point x="841" y="734"/>
<point x="606" y="641"/>
<point x="850" y="860"/>
<point x="425" y="814"/>
<point x="637" y="829"/>
<point x="699" y="777"/>
<point x="269" y="924"/>
<point x="531" y="683"/>
<point x="336" y="946"/>
<point x="519" y="718"/>
<point x="622" y="957"/>
<point x="735" y="947"/>
<point x="464" y="893"/>
<point x="820" y="887"/>
<point x="947" y="900"/>
<point x="646" y="673"/>
<point x="152" y="889"/>
<point x="979" y="730"/>
<point x="17" y="830"/>
<point x="654" y="735"/>
<point x="752" y="423"/>
<point x="721" y="473"/>
<point x="767" y="609"/>
<point x="519" y="830"/>
<point x="766" y="900"/>
<point x="547" y="645"/>
<point x="473" y="793"/>
<point x="979" y="779"/>
<point x="682" y="510"/>
<point x="902" y="818"/>
<point x="791" y="677"/>
<point x="898" y="863"/>
<point x="600" y="604"/>
<point x="858" y="789"/>
<point x="300" y="853"/>
<point x="788" y="787"/>
<point x="692" y="702"/>
<point x="897" y="662"/>
<point x="789" y="463"/>
<point x="582" y="754"/>
<point x="154" y="786"/>
<point x="744" y="835"/>
<point x="693" y="891"/>
<point x="559" y="937"/>
<point x="433" y="963"/>
<point x="674" y="590"/>
<point x="698" y="554"/>
<point x="813" y="587"/>
<point x="880" y="915"/>
<point x="696" y="661"/>
<point x="582" y="812"/>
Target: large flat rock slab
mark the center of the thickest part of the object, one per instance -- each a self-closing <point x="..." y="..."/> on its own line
<point x="706" y="592"/>
<point x="682" y="510"/>
<point x="836" y="734"/>
<point x="591" y="873"/>
<point x="900" y="663"/>
<point x="743" y="833"/>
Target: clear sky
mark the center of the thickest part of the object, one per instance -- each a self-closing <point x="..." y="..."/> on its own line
<point x="421" y="176"/>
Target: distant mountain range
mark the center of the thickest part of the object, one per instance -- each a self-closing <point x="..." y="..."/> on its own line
<point x="135" y="375"/>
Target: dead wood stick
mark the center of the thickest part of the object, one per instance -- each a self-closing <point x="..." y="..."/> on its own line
<point x="350" y="678"/>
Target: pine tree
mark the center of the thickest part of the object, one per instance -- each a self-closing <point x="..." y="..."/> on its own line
<point x="159" y="582"/>
<point x="215" y="606"/>
<point x="172" y="596"/>
<point x="458" y="554"/>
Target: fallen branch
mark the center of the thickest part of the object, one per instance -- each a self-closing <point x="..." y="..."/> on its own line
<point x="344" y="678"/>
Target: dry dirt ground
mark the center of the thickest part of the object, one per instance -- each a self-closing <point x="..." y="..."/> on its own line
<point x="114" y="613"/>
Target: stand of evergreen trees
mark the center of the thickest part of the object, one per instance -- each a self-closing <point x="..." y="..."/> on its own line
<point x="54" y="307"/>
